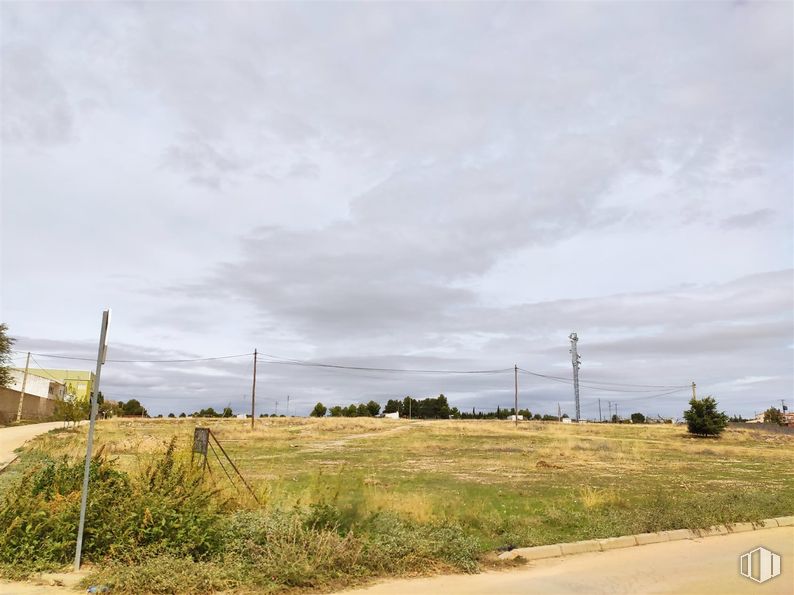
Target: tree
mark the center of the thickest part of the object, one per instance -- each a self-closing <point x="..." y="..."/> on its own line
<point x="182" y="414"/>
<point x="6" y="343"/>
<point x="393" y="406"/>
<point x="637" y="418"/>
<point x="171" y="415"/>
<point x="773" y="416"/>
<point x="373" y="408"/>
<point x="703" y="419"/>
<point x="319" y="410"/>
<point x="208" y="412"/>
<point x="227" y="412"/>
<point x="71" y="409"/>
<point x="362" y="410"/>
<point x="336" y="411"/>
<point x="537" y="416"/>
<point x="133" y="407"/>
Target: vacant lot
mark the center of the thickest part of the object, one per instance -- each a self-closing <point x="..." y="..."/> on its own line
<point x="539" y="483"/>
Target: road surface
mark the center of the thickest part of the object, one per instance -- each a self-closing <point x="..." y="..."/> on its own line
<point x="14" y="437"/>
<point x="688" y="567"/>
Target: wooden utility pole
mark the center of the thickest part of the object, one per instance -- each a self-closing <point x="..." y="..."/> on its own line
<point x="515" y="369"/>
<point x="24" y="384"/>
<point x="694" y="395"/>
<point x="559" y="413"/>
<point x="287" y="405"/>
<point x="599" y="410"/>
<point x="253" y="395"/>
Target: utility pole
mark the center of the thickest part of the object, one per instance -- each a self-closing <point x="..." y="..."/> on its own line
<point x="287" y="405"/>
<point x="100" y="359"/>
<point x="694" y="395"/>
<point x="617" y="417"/>
<point x="599" y="410"/>
<point x="609" y="404"/>
<point x="253" y="395"/>
<point x="575" y="359"/>
<point x="559" y="413"/>
<point x="24" y="384"/>
<point x="276" y="408"/>
<point x="515" y="369"/>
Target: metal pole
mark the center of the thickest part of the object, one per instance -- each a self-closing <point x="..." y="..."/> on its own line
<point x="575" y="361"/>
<point x="24" y="384"/>
<point x="253" y="395"/>
<point x="100" y="359"/>
<point x="515" y="369"/>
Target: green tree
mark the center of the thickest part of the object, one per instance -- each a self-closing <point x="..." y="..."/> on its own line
<point x="773" y="416"/>
<point x="227" y="412"/>
<point x="393" y="406"/>
<point x="133" y="407"/>
<point x="71" y="409"/>
<point x="703" y="419"/>
<point x="350" y="411"/>
<point x="319" y="410"/>
<point x="182" y="414"/>
<point x="336" y="411"/>
<point x="171" y="415"/>
<point x="362" y="410"/>
<point x="637" y="418"/>
<point x="6" y="343"/>
<point x="373" y="408"/>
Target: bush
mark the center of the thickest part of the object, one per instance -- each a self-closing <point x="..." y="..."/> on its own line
<point x="703" y="419"/>
<point x="166" y="509"/>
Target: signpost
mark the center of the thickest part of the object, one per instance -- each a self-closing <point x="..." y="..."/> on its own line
<point x="100" y="359"/>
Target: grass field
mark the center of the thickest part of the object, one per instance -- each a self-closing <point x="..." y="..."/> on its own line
<point x="540" y="483"/>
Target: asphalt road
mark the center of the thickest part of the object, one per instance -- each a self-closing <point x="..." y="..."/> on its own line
<point x="688" y="567"/>
<point x="14" y="437"/>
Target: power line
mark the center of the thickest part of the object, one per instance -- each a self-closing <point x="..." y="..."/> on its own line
<point x="309" y="364"/>
<point x="139" y="361"/>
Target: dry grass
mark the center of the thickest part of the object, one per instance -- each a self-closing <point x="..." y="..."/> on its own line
<point x="505" y="483"/>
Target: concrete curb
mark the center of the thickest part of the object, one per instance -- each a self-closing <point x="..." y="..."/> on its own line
<point x="611" y="543"/>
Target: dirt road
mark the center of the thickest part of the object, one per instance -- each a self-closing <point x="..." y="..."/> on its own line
<point x="688" y="567"/>
<point x="14" y="437"/>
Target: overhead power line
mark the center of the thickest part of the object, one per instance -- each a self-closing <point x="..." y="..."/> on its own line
<point x="310" y="364"/>
<point x="139" y="361"/>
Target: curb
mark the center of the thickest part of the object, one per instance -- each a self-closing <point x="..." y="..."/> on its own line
<point x="557" y="550"/>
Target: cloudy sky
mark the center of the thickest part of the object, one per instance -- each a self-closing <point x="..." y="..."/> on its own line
<point x="416" y="185"/>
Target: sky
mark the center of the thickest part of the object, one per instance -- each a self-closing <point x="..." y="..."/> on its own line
<point x="443" y="186"/>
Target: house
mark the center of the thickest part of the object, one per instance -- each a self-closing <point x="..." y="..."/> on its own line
<point x="37" y="384"/>
<point x="513" y="418"/>
<point x="77" y="382"/>
<point x="393" y="415"/>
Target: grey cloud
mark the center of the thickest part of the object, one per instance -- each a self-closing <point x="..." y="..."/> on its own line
<point x="748" y="220"/>
<point x="36" y="108"/>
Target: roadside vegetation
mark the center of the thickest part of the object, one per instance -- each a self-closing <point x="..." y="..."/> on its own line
<point x="349" y="499"/>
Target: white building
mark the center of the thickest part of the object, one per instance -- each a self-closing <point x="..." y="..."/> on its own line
<point x="36" y="385"/>
<point x="513" y="418"/>
<point x="394" y="415"/>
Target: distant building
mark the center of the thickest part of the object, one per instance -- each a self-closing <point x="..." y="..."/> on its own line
<point x="513" y="418"/>
<point x="394" y="415"/>
<point x="77" y="382"/>
<point x="566" y="420"/>
<point x="37" y="384"/>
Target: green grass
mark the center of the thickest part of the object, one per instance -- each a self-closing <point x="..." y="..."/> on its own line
<point x="498" y="486"/>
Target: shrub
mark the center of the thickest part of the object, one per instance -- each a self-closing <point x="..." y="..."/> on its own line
<point x="703" y="419"/>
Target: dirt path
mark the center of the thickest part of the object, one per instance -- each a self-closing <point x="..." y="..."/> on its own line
<point x="702" y="566"/>
<point x="14" y="437"/>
